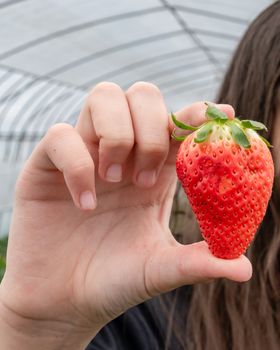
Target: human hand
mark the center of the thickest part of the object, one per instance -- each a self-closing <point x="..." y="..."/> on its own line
<point x="73" y="265"/>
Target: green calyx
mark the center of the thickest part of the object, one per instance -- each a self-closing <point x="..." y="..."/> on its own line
<point x="238" y="128"/>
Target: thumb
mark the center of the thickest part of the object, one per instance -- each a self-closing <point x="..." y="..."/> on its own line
<point x="189" y="264"/>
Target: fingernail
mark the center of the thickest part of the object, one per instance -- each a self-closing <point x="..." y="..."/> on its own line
<point x="146" y="178"/>
<point x="87" y="201"/>
<point x="114" y="173"/>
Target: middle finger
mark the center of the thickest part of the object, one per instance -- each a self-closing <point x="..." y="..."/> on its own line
<point x="150" y="123"/>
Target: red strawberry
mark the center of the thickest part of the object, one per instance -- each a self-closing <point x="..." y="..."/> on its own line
<point x="226" y="170"/>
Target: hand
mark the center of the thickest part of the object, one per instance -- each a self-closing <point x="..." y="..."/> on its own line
<point x="74" y="263"/>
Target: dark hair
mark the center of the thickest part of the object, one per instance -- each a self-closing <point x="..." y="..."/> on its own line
<point x="227" y="315"/>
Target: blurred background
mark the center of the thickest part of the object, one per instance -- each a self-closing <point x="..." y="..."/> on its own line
<point x="53" y="51"/>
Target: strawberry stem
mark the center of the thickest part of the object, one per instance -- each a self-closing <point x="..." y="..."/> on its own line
<point x="238" y="134"/>
<point x="214" y="116"/>
<point x="177" y="138"/>
<point x="204" y="132"/>
<point x="182" y="125"/>
<point x="252" y="124"/>
<point x="266" y="142"/>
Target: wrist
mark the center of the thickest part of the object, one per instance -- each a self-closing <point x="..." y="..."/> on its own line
<point x="17" y="332"/>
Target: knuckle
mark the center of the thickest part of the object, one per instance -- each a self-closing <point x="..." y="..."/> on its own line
<point x="57" y="130"/>
<point x="78" y="169"/>
<point x="143" y="88"/>
<point x="104" y="87"/>
<point x="119" y="142"/>
<point x="126" y="142"/>
<point x="154" y="148"/>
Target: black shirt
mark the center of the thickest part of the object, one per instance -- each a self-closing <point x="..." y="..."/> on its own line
<point x="147" y="326"/>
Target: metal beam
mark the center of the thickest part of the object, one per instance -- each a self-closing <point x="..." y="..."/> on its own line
<point x="77" y="28"/>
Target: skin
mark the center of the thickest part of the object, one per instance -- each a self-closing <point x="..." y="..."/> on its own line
<point x="71" y="268"/>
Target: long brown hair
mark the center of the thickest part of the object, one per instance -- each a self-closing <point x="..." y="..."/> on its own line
<point x="226" y="315"/>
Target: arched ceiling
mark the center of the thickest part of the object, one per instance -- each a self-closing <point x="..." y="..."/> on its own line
<point x="52" y="52"/>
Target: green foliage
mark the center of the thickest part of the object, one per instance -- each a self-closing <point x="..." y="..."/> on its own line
<point x="215" y="114"/>
<point x="3" y="248"/>
<point x="204" y="132"/>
